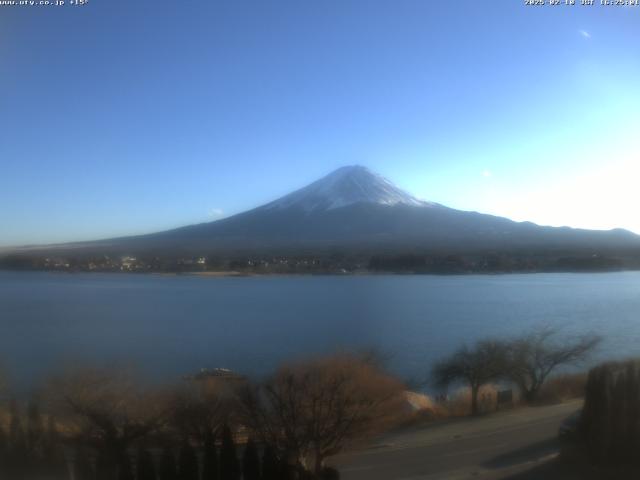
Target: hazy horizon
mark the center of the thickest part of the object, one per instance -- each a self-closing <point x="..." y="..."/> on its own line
<point x="198" y="111"/>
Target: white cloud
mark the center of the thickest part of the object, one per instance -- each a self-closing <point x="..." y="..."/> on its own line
<point x="216" y="212"/>
<point x="486" y="173"/>
<point x="585" y="34"/>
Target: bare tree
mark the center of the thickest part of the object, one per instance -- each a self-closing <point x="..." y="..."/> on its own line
<point x="476" y="366"/>
<point x="312" y="410"/>
<point x="534" y="356"/>
<point x="198" y="411"/>
<point x="107" y="410"/>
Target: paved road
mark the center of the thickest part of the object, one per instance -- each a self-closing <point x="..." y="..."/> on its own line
<point x="490" y="447"/>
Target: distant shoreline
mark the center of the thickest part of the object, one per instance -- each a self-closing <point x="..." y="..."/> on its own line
<point x="237" y="274"/>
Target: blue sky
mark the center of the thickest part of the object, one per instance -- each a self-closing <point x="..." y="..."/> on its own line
<point x="123" y="117"/>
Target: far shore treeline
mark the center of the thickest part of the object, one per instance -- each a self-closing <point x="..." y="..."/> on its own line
<point x="332" y="262"/>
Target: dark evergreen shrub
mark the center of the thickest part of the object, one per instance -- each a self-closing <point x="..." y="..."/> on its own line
<point x="288" y="472"/>
<point x="229" y="466"/>
<point x="125" y="472"/>
<point x="270" y="464"/>
<point x="82" y="466"/>
<point x="144" y="465"/>
<point x="4" y="452"/>
<point x="250" y="462"/>
<point x="210" y="460"/>
<point x="168" y="470"/>
<point x="17" y="459"/>
<point x="53" y="462"/>
<point x="329" y="473"/>
<point x="610" y="421"/>
<point x="35" y="429"/>
<point x="106" y="466"/>
<point x="187" y="463"/>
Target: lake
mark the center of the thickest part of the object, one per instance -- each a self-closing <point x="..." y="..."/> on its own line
<point x="173" y="325"/>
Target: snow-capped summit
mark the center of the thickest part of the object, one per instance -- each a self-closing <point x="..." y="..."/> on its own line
<point x="346" y="186"/>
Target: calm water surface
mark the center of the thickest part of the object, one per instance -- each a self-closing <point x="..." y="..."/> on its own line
<point x="172" y="325"/>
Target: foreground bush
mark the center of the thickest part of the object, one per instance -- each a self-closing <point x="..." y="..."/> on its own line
<point x="562" y="388"/>
<point x="105" y="424"/>
<point x="313" y="410"/>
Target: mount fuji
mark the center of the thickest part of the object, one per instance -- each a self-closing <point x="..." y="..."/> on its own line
<point x="355" y="209"/>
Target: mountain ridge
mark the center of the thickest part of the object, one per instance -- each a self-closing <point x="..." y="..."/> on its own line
<point x="354" y="208"/>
